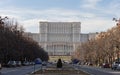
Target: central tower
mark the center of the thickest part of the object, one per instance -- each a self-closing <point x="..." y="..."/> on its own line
<point x="60" y="38"/>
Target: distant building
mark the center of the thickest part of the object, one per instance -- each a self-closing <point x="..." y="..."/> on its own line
<point x="84" y="38"/>
<point x="92" y="35"/>
<point x="87" y="37"/>
<point x="60" y="38"/>
<point x="34" y="36"/>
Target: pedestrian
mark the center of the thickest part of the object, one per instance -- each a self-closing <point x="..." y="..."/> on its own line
<point x="59" y="63"/>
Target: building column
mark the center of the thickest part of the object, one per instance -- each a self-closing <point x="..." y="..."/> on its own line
<point x="46" y="33"/>
<point x="45" y="46"/>
<point x="64" y="49"/>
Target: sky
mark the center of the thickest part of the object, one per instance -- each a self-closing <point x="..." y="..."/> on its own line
<point x="94" y="15"/>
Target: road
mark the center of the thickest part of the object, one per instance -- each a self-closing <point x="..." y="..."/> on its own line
<point x="97" y="70"/>
<point x="24" y="70"/>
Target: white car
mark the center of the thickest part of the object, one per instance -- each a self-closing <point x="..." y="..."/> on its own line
<point x="11" y="64"/>
<point x="118" y="67"/>
<point x="115" y="65"/>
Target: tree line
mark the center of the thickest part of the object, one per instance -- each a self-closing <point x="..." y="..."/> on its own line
<point x="14" y="45"/>
<point x="105" y="48"/>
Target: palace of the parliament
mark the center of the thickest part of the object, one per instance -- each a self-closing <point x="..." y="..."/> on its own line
<point x="60" y="38"/>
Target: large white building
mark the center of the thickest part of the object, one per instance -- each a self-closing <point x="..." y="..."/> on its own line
<point x="59" y="38"/>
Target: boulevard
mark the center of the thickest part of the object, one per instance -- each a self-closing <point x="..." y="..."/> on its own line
<point x="90" y="70"/>
<point x="23" y="70"/>
<point x="97" y="70"/>
<point x="60" y="37"/>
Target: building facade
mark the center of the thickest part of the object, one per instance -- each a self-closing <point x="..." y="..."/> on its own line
<point x="86" y="37"/>
<point x="59" y="38"/>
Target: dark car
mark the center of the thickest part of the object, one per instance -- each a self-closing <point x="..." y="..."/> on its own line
<point x="18" y="63"/>
<point x="44" y="63"/>
<point x="0" y="66"/>
<point x="106" y="65"/>
<point x="38" y="61"/>
<point x="26" y="63"/>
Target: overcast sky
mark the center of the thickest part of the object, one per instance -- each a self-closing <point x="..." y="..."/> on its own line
<point x="94" y="15"/>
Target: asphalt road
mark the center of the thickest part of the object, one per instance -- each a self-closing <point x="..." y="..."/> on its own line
<point x="24" y="70"/>
<point x="97" y="70"/>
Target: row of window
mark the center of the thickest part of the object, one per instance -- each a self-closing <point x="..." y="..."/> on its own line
<point x="59" y="48"/>
<point x="59" y="53"/>
<point x="60" y="38"/>
<point x="59" y="28"/>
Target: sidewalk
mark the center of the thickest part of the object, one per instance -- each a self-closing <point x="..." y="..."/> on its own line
<point x="66" y="70"/>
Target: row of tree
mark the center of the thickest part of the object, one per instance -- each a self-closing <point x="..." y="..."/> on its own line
<point x="105" y="48"/>
<point x="15" y="46"/>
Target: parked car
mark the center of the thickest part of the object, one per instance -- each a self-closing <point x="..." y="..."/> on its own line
<point x="32" y="63"/>
<point x="115" y="65"/>
<point x="38" y="61"/>
<point x="106" y="65"/>
<point x="11" y="64"/>
<point x="118" y="67"/>
<point x="26" y="63"/>
<point x="44" y="63"/>
<point x="18" y="63"/>
<point x="0" y="66"/>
